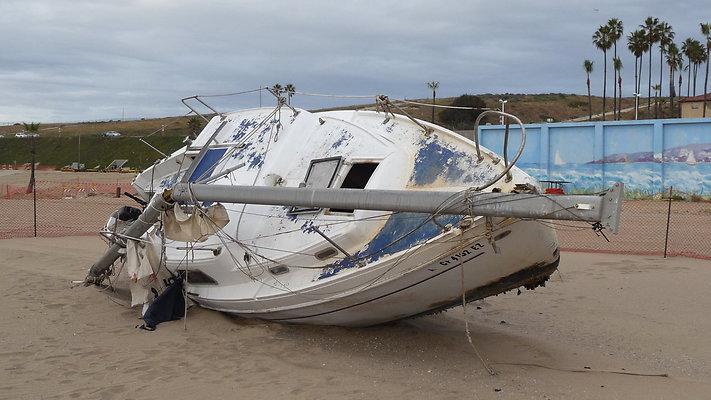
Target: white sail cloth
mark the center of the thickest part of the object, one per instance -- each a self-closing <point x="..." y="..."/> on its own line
<point x="196" y="226"/>
<point x="142" y="266"/>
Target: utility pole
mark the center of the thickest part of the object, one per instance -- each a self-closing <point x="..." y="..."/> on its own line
<point x="636" y="105"/>
<point x="503" y="109"/>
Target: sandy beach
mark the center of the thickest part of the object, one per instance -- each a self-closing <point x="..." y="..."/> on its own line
<point x="605" y="327"/>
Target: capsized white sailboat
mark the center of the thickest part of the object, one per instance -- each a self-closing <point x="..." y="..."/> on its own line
<point x="346" y="218"/>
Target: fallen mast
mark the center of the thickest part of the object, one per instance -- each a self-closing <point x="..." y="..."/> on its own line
<point x="603" y="209"/>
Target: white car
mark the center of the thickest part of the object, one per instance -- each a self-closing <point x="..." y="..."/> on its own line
<point x="111" y="134"/>
<point x="26" y="134"/>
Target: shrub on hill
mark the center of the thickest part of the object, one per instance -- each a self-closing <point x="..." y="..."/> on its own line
<point x="463" y="119"/>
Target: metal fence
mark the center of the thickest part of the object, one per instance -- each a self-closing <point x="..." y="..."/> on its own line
<point x="670" y="223"/>
<point x="58" y="209"/>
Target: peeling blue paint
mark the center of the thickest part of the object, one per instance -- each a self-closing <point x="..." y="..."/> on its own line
<point x="252" y="152"/>
<point x="169" y="181"/>
<point x="391" y="239"/>
<point x="268" y="127"/>
<point x="345" y="137"/>
<point x="255" y="160"/>
<point x="390" y="127"/>
<point x="288" y="215"/>
<point x="243" y="128"/>
<point x="307" y="225"/>
<point x="239" y="152"/>
<point x="435" y="160"/>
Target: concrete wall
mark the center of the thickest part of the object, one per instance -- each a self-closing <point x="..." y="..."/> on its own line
<point x="695" y="109"/>
<point x="647" y="155"/>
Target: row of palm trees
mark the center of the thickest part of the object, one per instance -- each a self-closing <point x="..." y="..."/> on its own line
<point x="289" y="89"/>
<point x="651" y="32"/>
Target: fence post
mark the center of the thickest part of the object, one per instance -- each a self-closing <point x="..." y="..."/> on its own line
<point x="666" y="236"/>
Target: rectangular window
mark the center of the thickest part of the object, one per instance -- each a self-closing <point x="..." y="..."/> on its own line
<point x="321" y="174"/>
<point x="357" y="178"/>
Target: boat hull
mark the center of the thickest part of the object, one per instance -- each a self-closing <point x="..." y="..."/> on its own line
<point x="426" y="281"/>
<point x="339" y="262"/>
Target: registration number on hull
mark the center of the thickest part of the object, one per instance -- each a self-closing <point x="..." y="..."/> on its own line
<point x="462" y="256"/>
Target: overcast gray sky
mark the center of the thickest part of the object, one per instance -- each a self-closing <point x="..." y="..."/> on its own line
<point x="85" y="60"/>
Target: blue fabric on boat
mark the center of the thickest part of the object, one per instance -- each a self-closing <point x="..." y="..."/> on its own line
<point x="168" y="306"/>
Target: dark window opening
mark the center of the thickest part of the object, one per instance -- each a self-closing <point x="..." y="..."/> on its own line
<point x="357" y="178"/>
<point x="197" y="277"/>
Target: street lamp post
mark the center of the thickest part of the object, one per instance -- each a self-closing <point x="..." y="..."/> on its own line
<point x="503" y="109"/>
<point x="636" y="105"/>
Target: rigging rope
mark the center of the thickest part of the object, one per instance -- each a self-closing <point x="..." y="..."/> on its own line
<point x="262" y="261"/>
<point x="466" y="320"/>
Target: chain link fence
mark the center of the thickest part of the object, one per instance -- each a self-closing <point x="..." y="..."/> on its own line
<point x="58" y="209"/>
<point x="671" y="223"/>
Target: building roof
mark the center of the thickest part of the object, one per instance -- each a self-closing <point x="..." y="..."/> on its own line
<point x="696" y="98"/>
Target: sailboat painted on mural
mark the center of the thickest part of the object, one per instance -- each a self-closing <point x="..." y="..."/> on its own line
<point x="690" y="159"/>
<point x="558" y="161"/>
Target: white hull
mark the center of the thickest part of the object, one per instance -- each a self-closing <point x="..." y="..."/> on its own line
<point x="428" y="279"/>
<point x="348" y="267"/>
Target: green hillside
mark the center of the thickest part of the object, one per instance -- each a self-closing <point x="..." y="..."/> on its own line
<point x="94" y="150"/>
<point x="59" y="144"/>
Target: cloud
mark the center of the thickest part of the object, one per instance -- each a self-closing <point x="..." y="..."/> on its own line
<point x="72" y="60"/>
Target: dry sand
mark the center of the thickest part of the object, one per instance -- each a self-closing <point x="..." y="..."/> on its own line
<point x="605" y="327"/>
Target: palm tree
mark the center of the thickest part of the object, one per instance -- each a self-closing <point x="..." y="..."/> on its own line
<point x="277" y="89"/>
<point x="32" y="128"/>
<point x="650" y="29"/>
<point x="681" y="68"/>
<point x="601" y="40"/>
<point x="617" y="65"/>
<point x="657" y="89"/>
<point x="666" y="35"/>
<point x="687" y="48"/>
<point x="290" y="91"/>
<point x="194" y="125"/>
<point x="698" y="58"/>
<point x="434" y="86"/>
<point x="637" y="44"/>
<point x="588" y="66"/>
<point x="706" y="31"/>
<point x="615" y="35"/>
<point x="673" y="56"/>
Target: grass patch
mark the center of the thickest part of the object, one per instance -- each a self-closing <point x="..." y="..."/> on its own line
<point x="95" y="150"/>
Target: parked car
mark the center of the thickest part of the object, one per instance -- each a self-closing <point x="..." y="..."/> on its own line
<point x="111" y="134"/>
<point x="26" y="134"/>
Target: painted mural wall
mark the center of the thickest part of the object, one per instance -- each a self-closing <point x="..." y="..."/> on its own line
<point x="647" y="155"/>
